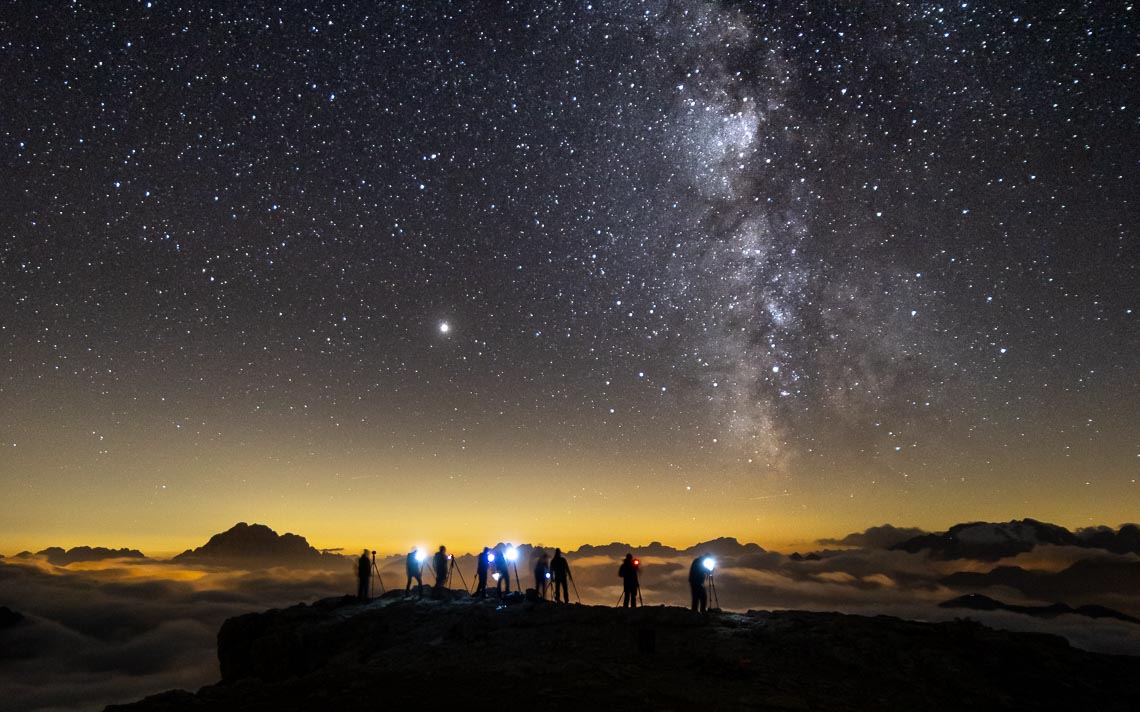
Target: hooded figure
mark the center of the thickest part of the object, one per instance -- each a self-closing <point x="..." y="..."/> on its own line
<point x="630" y="585"/>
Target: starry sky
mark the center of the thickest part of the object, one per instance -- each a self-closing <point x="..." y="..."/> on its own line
<point x="565" y="271"/>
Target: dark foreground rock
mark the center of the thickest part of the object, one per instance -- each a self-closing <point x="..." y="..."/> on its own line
<point x="10" y="618"/>
<point x="336" y="655"/>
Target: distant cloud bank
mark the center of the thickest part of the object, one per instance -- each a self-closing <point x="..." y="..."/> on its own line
<point x="90" y="626"/>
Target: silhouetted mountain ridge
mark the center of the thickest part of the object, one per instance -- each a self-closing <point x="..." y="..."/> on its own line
<point x="258" y="545"/>
<point x="978" y="602"/>
<point x="721" y="546"/>
<point x="883" y="536"/>
<point x="991" y="541"/>
<point x="60" y="557"/>
<point x="1084" y="579"/>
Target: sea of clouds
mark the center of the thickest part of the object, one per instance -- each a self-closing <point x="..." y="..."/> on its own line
<point x="116" y="630"/>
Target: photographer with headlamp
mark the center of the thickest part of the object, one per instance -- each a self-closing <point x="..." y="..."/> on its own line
<point x="414" y="565"/>
<point x="503" y="568"/>
<point x="699" y="573"/>
<point x="630" y="585"/>
<point x="485" y="560"/>
<point x="541" y="575"/>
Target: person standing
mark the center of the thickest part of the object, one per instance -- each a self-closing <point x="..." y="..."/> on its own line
<point x="440" y="564"/>
<point x="698" y="574"/>
<point x="630" y="584"/>
<point x="484" y="565"/>
<point x="363" y="576"/>
<point x="415" y="571"/>
<point x="541" y="575"/>
<point x="560" y="572"/>
<point x="504" y="569"/>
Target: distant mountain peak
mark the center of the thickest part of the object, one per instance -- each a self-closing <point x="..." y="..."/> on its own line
<point x="724" y="546"/>
<point x="258" y="545"/>
<point x="978" y="602"/>
<point x="991" y="541"/>
<point x="60" y="557"/>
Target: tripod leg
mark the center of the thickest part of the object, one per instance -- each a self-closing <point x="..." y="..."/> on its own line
<point x="460" y="572"/>
<point x="376" y="571"/>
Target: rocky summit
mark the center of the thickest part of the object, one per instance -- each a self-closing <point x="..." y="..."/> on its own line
<point x="487" y="654"/>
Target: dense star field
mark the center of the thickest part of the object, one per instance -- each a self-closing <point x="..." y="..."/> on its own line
<point x="565" y="270"/>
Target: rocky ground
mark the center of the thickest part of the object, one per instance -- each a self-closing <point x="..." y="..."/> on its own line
<point x="339" y="655"/>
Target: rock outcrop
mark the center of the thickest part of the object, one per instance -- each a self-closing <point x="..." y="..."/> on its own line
<point x="10" y="618"/>
<point x="337" y="654"/>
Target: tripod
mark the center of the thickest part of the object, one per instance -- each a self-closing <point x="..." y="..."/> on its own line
<point x="375" y="577"/>
<point x="454" y="568"/>
<point x="621" y="598"/>
<point x="712" y="589"/>
<point x="574" y="585"/>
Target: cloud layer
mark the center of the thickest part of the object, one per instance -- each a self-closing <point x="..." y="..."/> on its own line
<point x="119" y="629"/>
<point x="92" y="636"/>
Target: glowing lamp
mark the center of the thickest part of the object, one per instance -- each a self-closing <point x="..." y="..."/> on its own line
<point x="491" y="559"/>
<point x="421" y="555"/>
<point x="709" y="563"/>
<point x="495" y="575"/>
<point x="637" y="562"/>
<point x="547" y="574"/>
<point x="512" y="554"/>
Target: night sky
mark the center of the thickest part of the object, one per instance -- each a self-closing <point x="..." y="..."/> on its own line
<point x="565" y="272"/>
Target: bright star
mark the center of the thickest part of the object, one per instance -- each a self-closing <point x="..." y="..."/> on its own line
<point x="444" y="327"/>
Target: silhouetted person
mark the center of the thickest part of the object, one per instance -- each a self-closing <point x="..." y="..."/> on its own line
<point x="560" y="572"/>
<point x="440" y="563"/>
<point x="628" y="574"/>
<point x="698" y="574"/>
<point x="541" y="574"/>
<point x="481" y="571"/>
<point x="504" y="568"/>
<point x="363" y="576"/>
<point x="415" y="571"/>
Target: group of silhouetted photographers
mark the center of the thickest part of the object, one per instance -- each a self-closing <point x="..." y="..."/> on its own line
<point x="497" y="563"/>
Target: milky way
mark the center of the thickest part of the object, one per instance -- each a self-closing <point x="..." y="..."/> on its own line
<point x="761" y="248"/>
